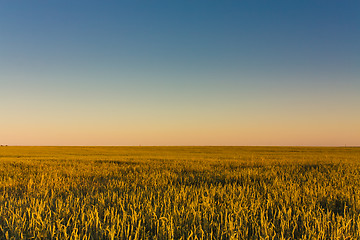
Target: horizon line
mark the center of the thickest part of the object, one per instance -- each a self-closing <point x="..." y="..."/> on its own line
<point x="344" y="146"/>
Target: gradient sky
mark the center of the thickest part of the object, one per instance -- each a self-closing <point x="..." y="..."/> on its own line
<point x="172" y="72"/>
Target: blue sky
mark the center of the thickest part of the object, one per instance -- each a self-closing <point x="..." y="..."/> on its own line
<point x="180" y="72"/>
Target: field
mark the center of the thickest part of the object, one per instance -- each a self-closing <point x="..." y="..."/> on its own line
<point x="179" y="193"/>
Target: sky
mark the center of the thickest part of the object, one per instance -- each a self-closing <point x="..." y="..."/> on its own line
<point x="190" y="72"/>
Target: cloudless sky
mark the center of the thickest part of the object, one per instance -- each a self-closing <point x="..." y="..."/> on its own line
<point x="189" y="72"/>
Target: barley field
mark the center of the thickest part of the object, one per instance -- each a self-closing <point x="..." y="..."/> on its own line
<point x="179" y="193"/>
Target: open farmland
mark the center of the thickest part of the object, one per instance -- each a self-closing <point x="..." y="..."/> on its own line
<point x="179" y="193"/>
